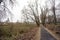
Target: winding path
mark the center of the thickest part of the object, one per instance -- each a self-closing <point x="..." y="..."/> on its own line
<point x="45" y="35"/>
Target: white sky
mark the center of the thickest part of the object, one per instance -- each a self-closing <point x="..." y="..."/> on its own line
<point x="17" y="8"/>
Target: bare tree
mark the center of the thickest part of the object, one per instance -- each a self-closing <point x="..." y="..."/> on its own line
<point x="50" y="18"/>
<point x="44" y="11"/>
<point x="26" y="15"/>
<point x="53" y="9"/>
<point x="31" y="12"/>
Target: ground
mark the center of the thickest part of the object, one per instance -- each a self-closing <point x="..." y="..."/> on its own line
<point x="26" y="32"/>
<point x="38" y="34"/>
<point x="51" y="28"/>
<point x="46" y="35"/>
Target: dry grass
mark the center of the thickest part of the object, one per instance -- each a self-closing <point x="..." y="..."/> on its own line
<point x="9" y="31"/>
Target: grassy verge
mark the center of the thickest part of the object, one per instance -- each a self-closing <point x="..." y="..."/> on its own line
<point x="10" y="31"/>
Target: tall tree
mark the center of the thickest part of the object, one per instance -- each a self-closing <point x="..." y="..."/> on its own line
<point x="53" y="9"/>
<point x="44" y="11"/>
<point x="32" y="12"/>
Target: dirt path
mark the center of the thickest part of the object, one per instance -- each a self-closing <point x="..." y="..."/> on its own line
<point x="37" y="37"/>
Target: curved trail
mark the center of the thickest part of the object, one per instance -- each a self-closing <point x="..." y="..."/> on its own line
<point x="45" y="35"/>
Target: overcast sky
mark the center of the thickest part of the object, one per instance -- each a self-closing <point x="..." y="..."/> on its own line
<point x="19" y="6"/>
<point x="17" y="9"/>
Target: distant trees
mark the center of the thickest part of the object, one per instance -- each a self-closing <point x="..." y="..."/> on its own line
<point x="53" y="9"/>
<point x="44" y="11"/>
<point x="2" y="15"/>
<point x="50" y="19"/>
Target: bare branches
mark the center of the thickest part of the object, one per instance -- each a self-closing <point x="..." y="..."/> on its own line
<point x="32" y="13"/>
<point x="6" y="9"/>
<point x="52" y="2"/>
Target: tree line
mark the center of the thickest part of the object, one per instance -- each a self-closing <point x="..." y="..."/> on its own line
<point x="31" y="12"/>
